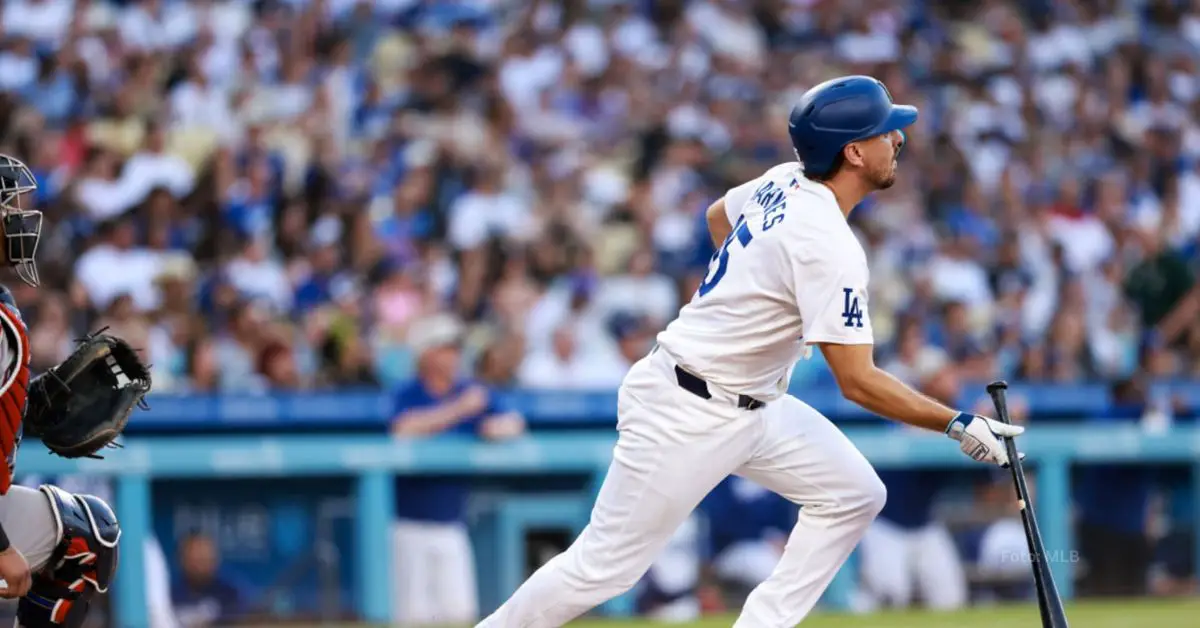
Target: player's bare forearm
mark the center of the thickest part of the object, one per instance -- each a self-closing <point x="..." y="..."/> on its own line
<point x="887" y="396"/>
<point x="718" y="222"/>
<point x="878" y="391"/>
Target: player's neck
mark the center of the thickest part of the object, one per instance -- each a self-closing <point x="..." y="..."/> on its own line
<point x="848" y="190"/>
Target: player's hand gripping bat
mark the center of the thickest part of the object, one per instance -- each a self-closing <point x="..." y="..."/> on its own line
<point x="1049" y="602"/>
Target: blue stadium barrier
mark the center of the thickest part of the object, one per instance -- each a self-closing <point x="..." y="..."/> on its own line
<point x="373" y="409"/>
<point x="373" y="460"/>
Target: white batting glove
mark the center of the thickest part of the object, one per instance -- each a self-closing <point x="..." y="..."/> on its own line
<point x="982" y="438"/>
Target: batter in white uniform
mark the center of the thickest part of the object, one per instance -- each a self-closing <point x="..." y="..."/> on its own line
<point x="711" y="400"/>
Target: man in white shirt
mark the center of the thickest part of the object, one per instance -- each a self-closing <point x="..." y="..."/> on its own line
<point x="567" y="366"/>
<point x="709" y="401"/>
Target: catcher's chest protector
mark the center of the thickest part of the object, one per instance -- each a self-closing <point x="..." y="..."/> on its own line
<point x="14" y="387"/>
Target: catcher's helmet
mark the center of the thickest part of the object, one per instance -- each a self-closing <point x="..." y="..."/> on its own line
<point x="838" y="112"/>
<point x="22" y="227"/>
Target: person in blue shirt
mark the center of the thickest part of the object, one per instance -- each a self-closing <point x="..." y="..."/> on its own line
<point x="203" y="597"/>
<point x="1113" y="506"/>
<point x="432" y="556"/>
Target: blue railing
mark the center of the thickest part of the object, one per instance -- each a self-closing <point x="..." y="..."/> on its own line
<point x="364" y="409"/>
<point x="374" y="460"/>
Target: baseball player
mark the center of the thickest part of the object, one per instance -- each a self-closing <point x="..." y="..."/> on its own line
<point x="57" y="549"/>
<point x="709" y="400"/>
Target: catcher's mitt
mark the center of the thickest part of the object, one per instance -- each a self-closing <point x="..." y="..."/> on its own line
<point x="80" y="406"/>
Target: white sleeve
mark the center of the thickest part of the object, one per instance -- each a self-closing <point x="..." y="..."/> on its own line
<point x="830" y="288"/>
<point x="736" y="199"/>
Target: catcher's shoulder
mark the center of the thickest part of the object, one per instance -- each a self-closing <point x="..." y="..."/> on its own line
<point x="8" y="307"/>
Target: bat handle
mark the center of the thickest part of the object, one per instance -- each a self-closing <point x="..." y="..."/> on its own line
<point x="997" y="392"/>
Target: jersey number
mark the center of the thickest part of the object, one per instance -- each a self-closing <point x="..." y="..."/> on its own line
<point x="720" y="260"/>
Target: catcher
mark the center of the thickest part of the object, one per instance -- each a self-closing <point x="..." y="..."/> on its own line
<point x="57" y="549"/>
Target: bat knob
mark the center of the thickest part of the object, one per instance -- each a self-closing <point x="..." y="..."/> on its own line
<point x="997" y="385"/>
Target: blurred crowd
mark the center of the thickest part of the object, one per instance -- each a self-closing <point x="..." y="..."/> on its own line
<point x="268" y="194"/>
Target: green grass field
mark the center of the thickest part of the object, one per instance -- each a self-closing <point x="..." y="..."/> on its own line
<point x="1124" y="614"/>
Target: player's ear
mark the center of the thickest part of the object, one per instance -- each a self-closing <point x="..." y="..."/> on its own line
<point x="853" y="154"/>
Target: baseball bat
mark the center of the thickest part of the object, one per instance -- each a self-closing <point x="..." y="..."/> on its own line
<point x="1049" y="602"/>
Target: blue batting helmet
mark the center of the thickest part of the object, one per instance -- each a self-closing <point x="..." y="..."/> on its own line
<point x="838" y="112"/>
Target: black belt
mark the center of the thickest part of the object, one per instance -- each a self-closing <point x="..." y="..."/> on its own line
<point x="699" y="387"/>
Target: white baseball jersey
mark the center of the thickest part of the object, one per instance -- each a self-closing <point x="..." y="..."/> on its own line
<point x="791" y="273"/>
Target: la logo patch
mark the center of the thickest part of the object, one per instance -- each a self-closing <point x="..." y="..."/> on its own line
<point x="852" y="313"/>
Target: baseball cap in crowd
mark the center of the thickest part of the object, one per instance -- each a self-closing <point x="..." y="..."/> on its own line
<point x="432" y="332"/>
<point x="624" y="324"/>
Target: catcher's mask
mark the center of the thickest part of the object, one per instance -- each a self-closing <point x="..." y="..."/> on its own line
<point x="22" y="227"/>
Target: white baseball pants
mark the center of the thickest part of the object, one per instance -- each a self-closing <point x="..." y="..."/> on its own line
<point x="435" y="574"/>
<point x="673" y="448"/>
<point x="897" y="564"/>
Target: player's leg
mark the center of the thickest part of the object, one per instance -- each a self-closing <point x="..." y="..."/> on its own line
<point x="884" y="565"/>
<point x="30" y="523"/>
<point x="80" y="565"/>
<point x="673" y="448"/>
<point x="939" y="569"/>
<point x="411" y="599"/>
<point x="455" y="595"/>
<point x="803" y="457"/>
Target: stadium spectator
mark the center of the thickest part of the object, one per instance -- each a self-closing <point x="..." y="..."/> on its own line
<point x="1173" y="567"/>
<point x="669" y="592"/>
<point x="1001" y="559"/>
<point x="1114" y="507"/>
<point x="747" y="529"/>
<point x="202" y="596"/>
<point x="431" y="551"/>
<point x="569" y="364"/>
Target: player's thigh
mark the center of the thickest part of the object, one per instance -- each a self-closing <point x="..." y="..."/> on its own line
<point x="659" y="473"/>
<point x="643" y="500"/>
<point x="939" y="569"/>
<point x="884" y="564"/>
<point x="454" y="575"/>
<point x="805" y="458"/>
<point x="30" y="524"/>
